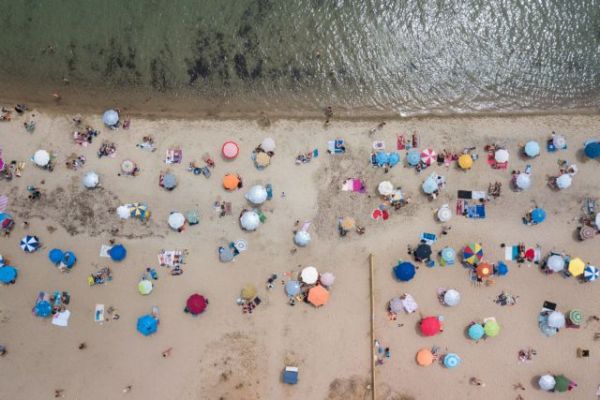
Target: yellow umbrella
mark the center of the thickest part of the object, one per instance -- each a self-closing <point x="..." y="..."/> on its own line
<point x="576" y="266"/>
<point x="465" y="161"/>
<point x="347" y="223"/>
<point x="249" y="292"/>
<point x="262" y="159"/>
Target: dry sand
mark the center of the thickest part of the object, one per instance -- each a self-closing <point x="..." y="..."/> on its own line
<point x="224" y="354"/>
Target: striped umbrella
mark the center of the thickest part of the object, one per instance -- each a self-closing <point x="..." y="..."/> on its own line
<point x="576" y="317"/>
<point x="29" y="244"/>
<point x="590" y="273"/>
<point x="230" y="150"/>
<point x="428" y="156"/>
<point x="473" y="253"/>
<point x="451" y="360"/>
<point x="3" y="203"/>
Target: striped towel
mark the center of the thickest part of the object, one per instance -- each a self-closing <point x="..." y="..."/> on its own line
<point x="3" y="203"/>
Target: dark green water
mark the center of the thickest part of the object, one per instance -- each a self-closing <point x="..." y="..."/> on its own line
<point x="409" y="57"/>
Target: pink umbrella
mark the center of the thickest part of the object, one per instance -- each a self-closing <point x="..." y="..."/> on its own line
<point x="428" y="156"/>
<point x="230" y="150"/>
<point x="327" y="279"/>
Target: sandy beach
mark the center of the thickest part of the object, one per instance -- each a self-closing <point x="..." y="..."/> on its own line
<point x="226" y="354"/>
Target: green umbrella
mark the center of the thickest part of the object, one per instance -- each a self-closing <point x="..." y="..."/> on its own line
<point x="192" y="217"/>
<point x="491" y="328"/>
<point x="576" y="317"/>
<point x="562" y="383"/>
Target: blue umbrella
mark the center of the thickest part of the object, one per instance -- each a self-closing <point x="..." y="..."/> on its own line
<point x="169" y="181"/>
<point x="29" y="244"/>
<point x="292" y="288"/>
<point x="8" y="274"/>
<point x="501" y="269"/>
<point x="393" y="158"/>
<point x="43" y="309"/>
<point x="55" y="256"/>
<point x="404" y="271"/>
<point x="590" y="273"/>
<point x="69" y="259"/>
<point x="451" y="360"/>
<point x="1" y="261"/>
<point x="448" y="254"/>
<point x="381" y="158"/>
<point x="532" y="149"/>
<point x="117" y="252"/>
<point x="476" y="331"/>
<point x="413" y="157"/>
<point x="538" y="215"/>
<point x="110" y="117"/>
<point x="147" y="325"/>
<point x="430" y="185"/>
<point x="592" y="149"/>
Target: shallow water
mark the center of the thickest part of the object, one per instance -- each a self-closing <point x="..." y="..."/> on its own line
<point x="408" y="57"/>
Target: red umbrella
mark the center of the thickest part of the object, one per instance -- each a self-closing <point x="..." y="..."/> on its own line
<point x="196" y="304"/>
<point x="430" y="326"/>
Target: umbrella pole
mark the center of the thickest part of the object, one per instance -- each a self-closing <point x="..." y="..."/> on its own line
<point x="372" y="295"/>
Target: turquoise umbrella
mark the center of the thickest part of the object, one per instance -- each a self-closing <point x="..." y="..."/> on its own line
<point x="476" y="331"/>
<point x="451" y="360"/>
<point x="413" y="157"/>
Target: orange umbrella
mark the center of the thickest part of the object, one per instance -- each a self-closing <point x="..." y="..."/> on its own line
<point x="230" y="182"/>
<point x="424" y="357"/>
<point x="484" y="270"/>
<point x="318" y="296"/>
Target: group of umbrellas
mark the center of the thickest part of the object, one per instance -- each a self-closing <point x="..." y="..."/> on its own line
<point x="64" y="259"/>
<point x="425" y="357"/>
<point x="314" y="284"/>
<point x="575" y="267"/>
<point x="554" y="383"/>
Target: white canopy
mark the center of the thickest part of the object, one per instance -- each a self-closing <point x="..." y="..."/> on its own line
<point x="556" y="319"/>
<point x="176" y="220"/>
<point x="444" y="213"/>
<point x="257" y="194"/>
<point x="555" y="263"/>
<point x="250" y="220"/>
<point x="123" y="212"/>
<point x="547" y="382"/>
<point x="41" y="158"/>
<point x="91" y="180"/>
<point x="309" y="275"/>
<point x="302" y="238"/>
<point x="523" y="181"/>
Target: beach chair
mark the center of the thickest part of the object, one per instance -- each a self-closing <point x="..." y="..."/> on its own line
<point x="290" y="375"/>
<point x="428" y="238"/>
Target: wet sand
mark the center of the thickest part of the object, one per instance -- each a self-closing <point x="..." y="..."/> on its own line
<point x="226" y="354"/>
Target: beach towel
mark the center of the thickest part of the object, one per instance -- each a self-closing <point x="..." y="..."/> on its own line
<point x="3" y="203"/>
<point x="400" y="142"/>
<point x="99" y="313"/>
<point x="61" y="318"/>
<point x="472" y="194"/>
<point x="476" y="211"/>
<point x="409" y="304"/>
<point x="174" y="156"/>
<point x="380" y="212"/>
<point x="428" y="238"/>
<point x="171" y="258"/>
<point x="104" y="250"/>
<point x="354" y="185"/>
<point x="336" y="146"/>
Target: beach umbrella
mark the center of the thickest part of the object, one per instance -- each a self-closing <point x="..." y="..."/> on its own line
<point x="110" y="117"/>
<point x="465" y="161"/>
<point x="381" y="158"/>
<point x="444" y="213"/>
<point x="176" y="220"/>
<point x="538" y="215"/>
<point x="1" y="260"/>
<point x="476" y="331"/>
<point x="385" y="188"/>
<point x="69" y="259"/>
<point x="196" y="304"/>
<point x="268" y="144"/>
<point x="501" y="156"/>
<point x="576" y="317"/>
<point x="318" y="296"/>
<point x="327" y="279"/>
<point x="302" y="238"/>
<point x="91" y="180"/>
<point x="556" y="319"/>
<point x="448" y="254"/>
<point x="292" y="288"/>
<point x="139" y="210"/>
<point x="590" y="273"/>
<point x="484" y="270"/>
<point x="564" y="181"/>
<point x="8" y="274"/>
<point x="393" y="158"/>
<point x="250" y="220"/>
<point x="147" y="325"/>
<point x="128" y="166"/>
<point x="586" y="232"/>
<point x="559" y="141"/>
<point x="230" y="150"/>
<point x="576" y="266"/>
<point x="430" y="326"/>
<point x="231" y="182"/>
<point x="501" y="269"/>
<point x="169" y="181"/>
<point x="523" y="181"/>
<point x="41" y="158"/>
<point x="29" y="244"/>
<point x="43" y="308"/>
<point x="422" y="252"/>
<point x="562" y="383"/>
<point x="597" y="221"/>
<point x="145" y="287"/>
<point x="491" y="328"/>
<point x="424" y="357"/>
<point x="428" y="156"/>
<point x="347" y="223"/>
<point x="532" y="149"/>
<point x="55" y="256"/>
<point x="547" y="382"/>
<point x="248" y="292"/>
<point x="404" y="271"/>
<point x="6" y="221"/>
<point x="473" y="253"/>
<point x="123" y="212"/>
<point x="413" y="157"/>
<point x="240" y="245"/>
<point x="592" y="150"/>
<point x="396" y="305"/>
<point x="262" y="159"/>
<point x="451" y="360"/>
<point x="430" y="185"/>
<point x="555" y="263"/>
<point x="257" y="194"/>
<point x="309" y="275"/>
<point x="226" y="254"/>
<point x="451" y="297"/>
<point x="192" y="217"/>
<point x="117" y="252"/>
<point x="409" y="304"/>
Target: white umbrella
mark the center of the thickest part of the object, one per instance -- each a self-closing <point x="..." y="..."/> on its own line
<point x="268" y="144"/>
<point x="451" y="297"/>
<point x="523" y="181"/>
<point x="556" y="319"/>
<point x="559" y="141"/>
<point x="250" y="220"/>
<point x="597" y="221"/>
<point x="327" y="279"/>
<point x="444" y="213"/>
<point x="257" y="194"/>
<point x="41" y="158"/>
<point x="396" y="305"/>
<point x="309" y="275"/>
<point x="302" y="238"/>
<point x="91" y="180"/>
<point x="176" y="220"/>
<point x="110" y="117"/>
<point x="385" y="188"/>
<point x="547" y="382"/>
<point x="501" y="156"/>
<point x="564" y="181"/>
<point x="555" y="263"/>
<point x="123" y="212"/>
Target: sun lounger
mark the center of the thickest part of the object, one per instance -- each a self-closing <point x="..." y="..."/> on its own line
<point x="428" y="238"/>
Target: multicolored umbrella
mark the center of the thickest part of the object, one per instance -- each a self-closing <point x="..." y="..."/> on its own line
<point x="428" y="156"/>
<point x="473" y="253"/>
<point x="448" y="254"/>
<point x="430" y="326"/>
<point x="29" y="244"/>
<point x="196" y="304"/>
<point x="139" y="210"/>
<point x="404" y="271"/>
<point x="590" y="273"/>
<point x="451" y="360"/>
